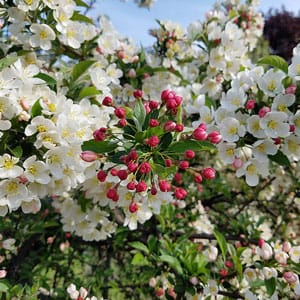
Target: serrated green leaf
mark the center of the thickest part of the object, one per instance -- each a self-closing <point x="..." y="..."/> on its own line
<point x="274" y="61"/>
<point x="166" y="140"/>
<point x="139" y="246"/>
<point x="98" y="147"/>
<point x="88" y="92"/>
<point x="182" y="146"/>
<point x="139" y="260"/>
<point x="221" y="242"/>
<point x="7" y="61"/>
<point x="280" y="159"/>
<point x="152" y="241"/>
<point x="173" y="262"/>
<point x="36" y="109"/>
<point x="80" y="68"/>
<point x="163" y="172"/>
<point x="81" y="18"/>
<point x="257" y="283"/>
<point x="139" y="114"/>
<point x="270" y="285"/>
<point x="3" y="287"/>
<point x="51" y="82"/>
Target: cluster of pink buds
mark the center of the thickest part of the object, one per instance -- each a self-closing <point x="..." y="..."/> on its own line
<point x="201" y="134"/>
<point x="151" y="128"/>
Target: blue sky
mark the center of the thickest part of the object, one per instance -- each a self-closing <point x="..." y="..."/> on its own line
<point x="134" y="22"/>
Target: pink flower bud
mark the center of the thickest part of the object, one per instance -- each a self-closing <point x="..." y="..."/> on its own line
<point x="133" y="207"/>
<point x="131" y="73"/>
<point x="183" y="165"/>
<point x="198" y="178"/>
<point x="132" y="167"/>
<point x="101" y="175"/>
<point x="99" y="134"/>
<point x="107" y="101"/>
<point x="291" y="89"/>
<point x="122" y="123"/>
<point x="237" y="163"/>
<point x="199" y="134"/>
<point x="261" y="242"/>
<point x="214" y="137"/>
<point x="164" y="185"/>
<point x="133" y="155"/>
<point x="3" y="273"/>
<point x="180" y="193"/>
<point x="144" y="168"/>
<point x="24" y="104"/>
<point x="179" y="127"/>
<point x="153" y="104"/>
<point x="178" y="178"/>
<point x="153" y="141"/>
<point x="138" y="94"/>
<point x="153" y="123"/>
<point x="141" y="186"/>
<point x="167" y="94"/>
<point x="120" y="112"/>
<point x="263" y="111"/>
<point x="169" y="126"/>
<point x="88" y="156"/>
<point x="250" y="104"/>
<point x="131" y="186"/>
<point x="189" y="154"/>
<point x="168" y="162"/>
<point x="112" y="194"/>
<point x="171" y="103"/>
<point x="172" y="293"/>
<point x="286" y="246"/>
<point x="122" y="174"/>
<point x="290" y="277"/>
<point x="228" y="264"/>
<point x="114" y="172"/>
<point x="160" y="292"/>
<point x="152" y="282"/>
<point x="147" y="107"/>
<point x="194" y="280"/>
<point x="209" y="173"/>
<point x="153" y="190"/>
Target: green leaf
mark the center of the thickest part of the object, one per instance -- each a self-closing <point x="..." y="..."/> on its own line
<point x="81" y="18"/>
<point x="280" y="159"/>
<point x="7" y="61"/>
<point x="182" y="146"/>
<point x="173" y="262"/>
<point x="270" y="285"/>
<point x="139" y="246"/>
<point x="222" y="243"/>
<point x="80" y="68"/>
<point x="51" y="82"/>
<point x="274" y="61"/>
<point x="17" y="152"/>
<point x="139" y="114"/>
<point x="152" y="241"/>
<point x="166" y="140"/>
<point x="81" y="3"/>
<point x="36" y="109"/>
<point x="98" y="147"/>
<point x="139" y="260"/>
<point x="3" y="287"/>
<point x="89" y="91"/>
<point x="164" y="172"/>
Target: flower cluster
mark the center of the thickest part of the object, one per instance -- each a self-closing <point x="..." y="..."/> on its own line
<point x="145" y="153"/>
